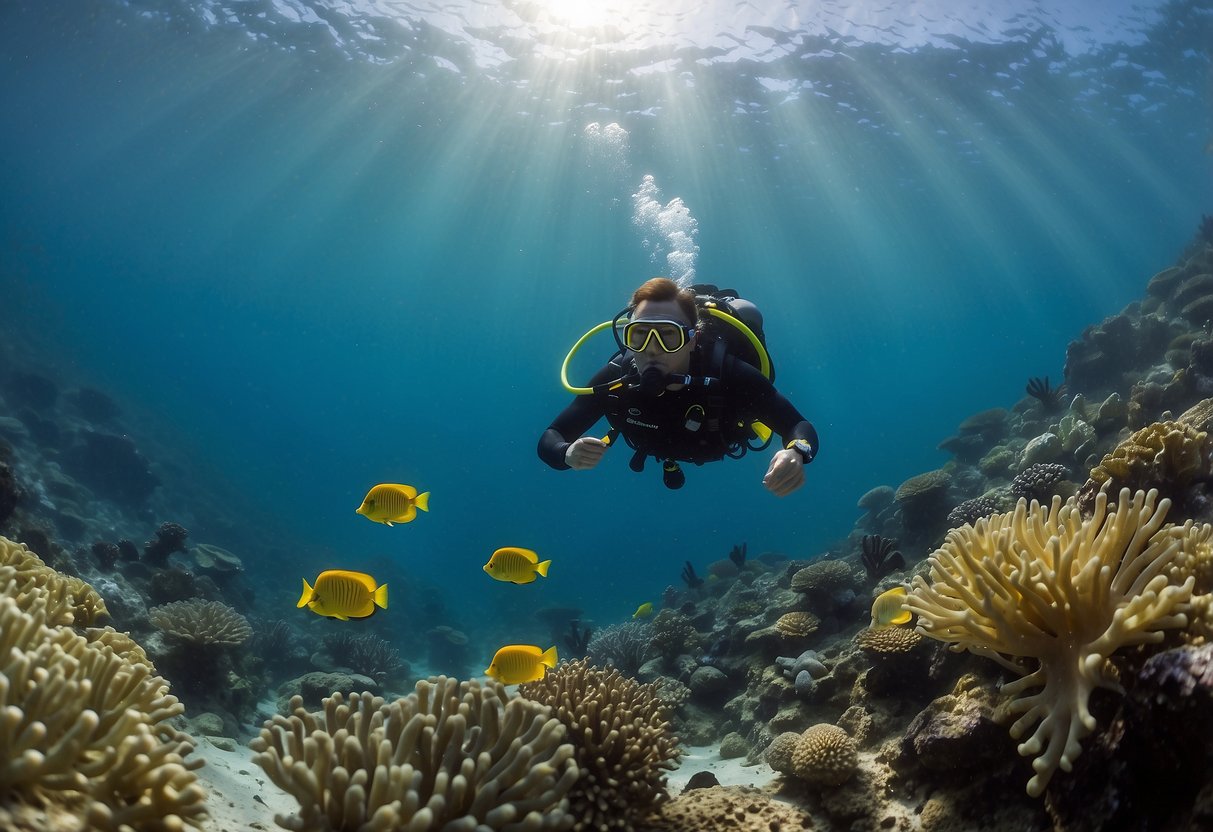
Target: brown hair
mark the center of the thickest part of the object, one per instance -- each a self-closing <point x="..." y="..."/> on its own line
<point x="662" y="288"/>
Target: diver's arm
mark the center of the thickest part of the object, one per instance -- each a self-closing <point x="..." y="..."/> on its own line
<point x="758" y="399"/>
<point x="572" y="422"/>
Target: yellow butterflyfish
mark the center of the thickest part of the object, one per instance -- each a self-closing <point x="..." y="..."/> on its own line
<point x="888" y="609"/>
<point x="515" y="565"/>
<point x="390" y="503"/>
<point x="644" y="610"/>
<point x="343" y="595"/>
<point x="518" y="663"/>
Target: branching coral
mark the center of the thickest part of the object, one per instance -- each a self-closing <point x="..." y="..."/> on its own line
<point x="626" y="646"/>
<point x="624" y="746"/>
<point x="85" y="730"/>
<point x="1065" y="593"/>
<point x="366" y="654"/>
<point x="452" y="755"/>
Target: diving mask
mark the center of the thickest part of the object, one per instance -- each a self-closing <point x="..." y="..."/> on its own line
<point x="671" y="335"/>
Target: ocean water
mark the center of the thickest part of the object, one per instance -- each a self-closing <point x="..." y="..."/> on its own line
<point x="329" y="244"/>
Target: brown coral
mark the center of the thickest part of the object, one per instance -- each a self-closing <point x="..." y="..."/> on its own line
<point x="797" y="624"/>
<point x="202" y="622"/>
<point x="823" y="577"/>
<point x="672" y="633"/>
<point x="779" y="753"/>
<point x="825" y="755"/>
<point x="728" y="809"/>
<point x="623" y="743"/>
<point x="451" y="755"/>
<point x="1169" y="456"/>
<point x="888" y="641"/>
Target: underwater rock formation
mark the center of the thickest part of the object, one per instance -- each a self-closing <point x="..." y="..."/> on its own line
<point x="450" y="755"/>
<point x="112" y="467"/>
<point x="1066" y="592"/>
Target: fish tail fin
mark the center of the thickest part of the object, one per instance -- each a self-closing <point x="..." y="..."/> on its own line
<point x="542" y="567"/>
<point x="308" y="592"/>
<point x="381" y="596"/>
<point x="422" y="501"/>
<point x="549" y="657"/>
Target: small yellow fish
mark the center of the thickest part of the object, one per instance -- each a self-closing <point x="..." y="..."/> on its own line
<point x="518" y="663"/>
<point x="518" y="566"/>
<point x="343" y="595"/>
<point x="390" y="503"/>
<point x="888" y="609"/>
<point x="644" y="610"/>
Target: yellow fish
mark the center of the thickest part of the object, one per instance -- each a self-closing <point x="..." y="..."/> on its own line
<point x="887" y="609"/>
<point x="390" y="503"/>
<point x="518" y="663"/>
<point x="518" y="566"/>
<point x="343" y="595"/>
<point x="644" y="610"/>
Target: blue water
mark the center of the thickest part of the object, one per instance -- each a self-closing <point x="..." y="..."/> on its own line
<point x="336" y="244"/>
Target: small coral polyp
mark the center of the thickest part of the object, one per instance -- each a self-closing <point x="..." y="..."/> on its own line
<point x="1045" y="584"/>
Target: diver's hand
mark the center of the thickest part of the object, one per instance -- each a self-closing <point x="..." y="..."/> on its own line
<point x="585" y="453"/>
<point x="786" y="473"/>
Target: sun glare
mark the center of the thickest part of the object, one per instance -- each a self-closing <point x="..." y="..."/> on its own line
<point x="591" y="14"/>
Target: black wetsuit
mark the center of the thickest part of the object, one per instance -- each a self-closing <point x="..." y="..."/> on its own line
<point x="678" y="423"/>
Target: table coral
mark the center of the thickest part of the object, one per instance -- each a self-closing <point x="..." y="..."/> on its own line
<point x="1063" y="592"/>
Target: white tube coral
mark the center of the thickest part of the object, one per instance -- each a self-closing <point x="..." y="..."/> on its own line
<point x="1049" y="586"/>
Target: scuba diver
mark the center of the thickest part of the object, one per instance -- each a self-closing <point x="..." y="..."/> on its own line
<point x="691" y="382"/>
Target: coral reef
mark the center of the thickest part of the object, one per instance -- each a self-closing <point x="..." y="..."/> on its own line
<point x="202" y="622"/>
<point x="727" y="809"/>
<point x="778" y="754"/>
<point x="971" y="510"/>
<point x="797" y="624"/>
<point x="1038" y="481"/>
<point x="367" y="654"/>
<point x="84" y="737"/>
<point x="923" y="500"/>
<point x="626" y="646"/>
<point x="69" y="600"/>
<point x="170" y="537"/>
<point x="451" y="755"/>
<point x="1048" y="586"/>
<point x="825" y="755"/>
<point x="623" y="745"/>
<point x="1168" y="456"/>
<point x="824" y="578"/>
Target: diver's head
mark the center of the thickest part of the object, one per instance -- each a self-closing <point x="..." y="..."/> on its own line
<point x="661" y="329"/>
